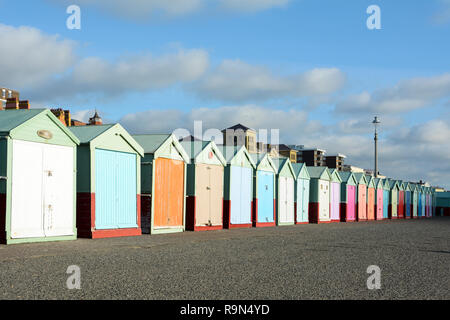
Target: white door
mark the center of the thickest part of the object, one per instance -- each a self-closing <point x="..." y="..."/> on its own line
<point x="282" y="194"/>
<point x="324" y="200"/>
<point x="42" y="190"/>
<point x="290" y="212"/>
<point x="58" y="190"/>
<point x="26" y="200"/>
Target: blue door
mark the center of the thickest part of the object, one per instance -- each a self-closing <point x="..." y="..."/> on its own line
<point x="302" y="200"/>
<point x="265" y="197"/>
<point x="408" y="203"/>
<point x="241" y="195"/>
<point x="386" y="204"/>
<point x="115" y="190"/>
<point x="419" y="207"/>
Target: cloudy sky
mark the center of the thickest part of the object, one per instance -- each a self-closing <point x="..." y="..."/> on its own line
<point x="311" y="69"/>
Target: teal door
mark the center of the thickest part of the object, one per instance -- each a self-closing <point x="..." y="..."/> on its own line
<point x="115" y="190"/>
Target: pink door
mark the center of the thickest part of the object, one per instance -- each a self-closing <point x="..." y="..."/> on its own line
<point x="362" y="202"/>
<point x="380" y="203"/>
<point x="351" y="198"/>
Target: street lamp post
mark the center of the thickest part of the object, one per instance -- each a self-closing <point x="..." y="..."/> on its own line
<point x="376" y="122"/>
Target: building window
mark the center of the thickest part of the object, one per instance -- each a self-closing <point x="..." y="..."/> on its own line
<point x="235" y="140"/>
<point x="3" y="93"/>
<point x="9" y="94"/>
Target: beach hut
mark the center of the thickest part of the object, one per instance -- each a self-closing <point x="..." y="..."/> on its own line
<point x="335" y="196"/>
<point x="319" y="199"/>
<point x="401" y="200"/>
<point x="238" y="187"/>
<point x="370" y="197"/>
<point x="379" y="198"/>
<point x="408" y="200"/>
<point x="301" y="193"/>
<point x="205" y="186"/>
<point x="414" y="200"/>
<point x="393" y="199"/>
<point x="163" y="183"/>
<point x="264" y="198"/>
<point x="348" y="197"/>
<point x="285" y="190"/>
<point x="386" y="198"/>
<point x="38" y="177"/>
<point x="443" y="204"/>
<point x="423" y="202"/>
<point x="361" y="199"/>
<point x="428" y="202"/>
<point x="109" y="182"/>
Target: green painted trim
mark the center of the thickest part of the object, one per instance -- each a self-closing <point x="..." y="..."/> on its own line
<point x="54" y="119"/>
<point x="172" y="140"/>
<point x="335" y="177"/>
<point x="116" y="130"/>
<point x="44" y="239"/>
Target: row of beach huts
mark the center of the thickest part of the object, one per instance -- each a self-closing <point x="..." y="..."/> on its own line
<point x="60" y="183"/>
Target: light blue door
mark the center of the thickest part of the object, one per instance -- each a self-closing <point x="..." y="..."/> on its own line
<point x="385" y="204"/>
<point x="265" y="197"/>
<point x="302" y="200"/>
<point x="241" y="195"/>
<point x="115" y="190"/>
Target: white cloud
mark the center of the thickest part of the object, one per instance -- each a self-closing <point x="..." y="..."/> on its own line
<point x="144" y="9"/>
<point x="139" y="73"/>
<point x="153" y="121"/>
<point x="411" y="153"/>
<point x="407" y="95"/>
<point x="237" y="81"/>
<point x="29" y="56"/>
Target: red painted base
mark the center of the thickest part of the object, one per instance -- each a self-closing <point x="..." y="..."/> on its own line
<point x="236" y="226"/>
<point x="100" y="234"/>
<point x="335" y="221"/>
<point x="86" y="219"/>
<point x="207" y="228"/>
<point x="300" y="223"/>
<point x="2" y="218"/>
<point x="264" y="224"/>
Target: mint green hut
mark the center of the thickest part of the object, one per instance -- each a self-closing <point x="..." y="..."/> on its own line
<point x="302" y="180"/>
<point x="38" y="159"/>
<point x="238" y="187"/>
<point x="109" y="182"/>
<point x="393" y="200"/>
<point x="163" y="183"/>
<point x="285" y="190"/>
<point x="264" y="191"/>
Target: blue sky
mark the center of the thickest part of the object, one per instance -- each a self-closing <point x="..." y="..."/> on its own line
<point x="309" y="68"/>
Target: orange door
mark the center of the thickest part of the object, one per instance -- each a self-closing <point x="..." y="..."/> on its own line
<point x="371" y="204"/>
<point x="169" y="193"/>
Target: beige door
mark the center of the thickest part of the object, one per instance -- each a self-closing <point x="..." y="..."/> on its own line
<point x="209" y="195"/>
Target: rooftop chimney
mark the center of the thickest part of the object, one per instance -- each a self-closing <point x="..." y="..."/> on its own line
<point x="12" y="104"/>
<point x="24" y="104"/>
